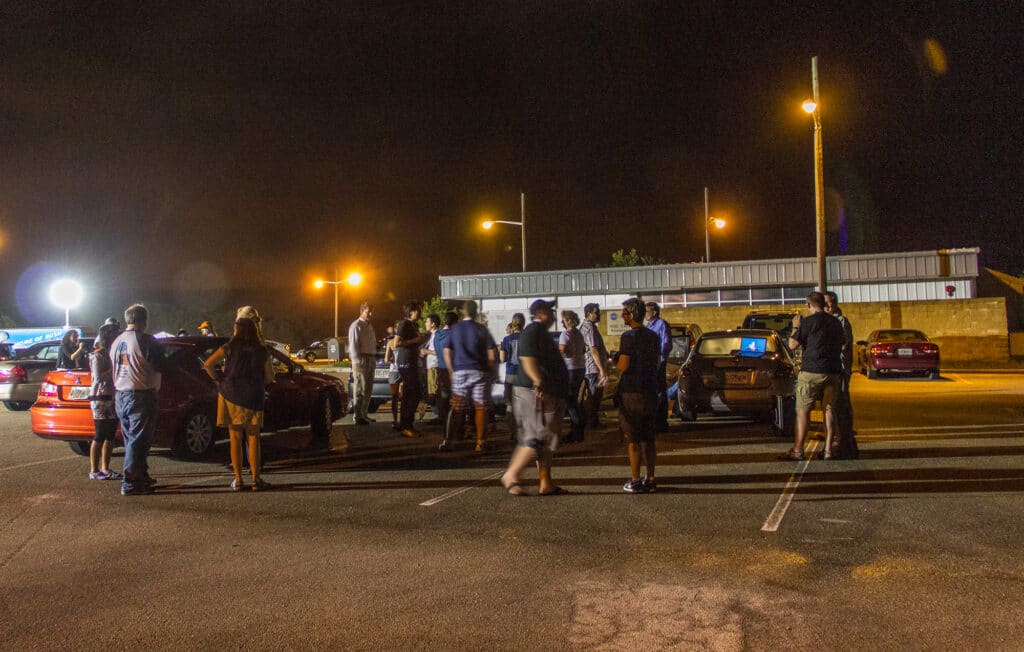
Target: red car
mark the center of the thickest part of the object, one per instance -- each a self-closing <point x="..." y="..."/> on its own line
<point x="187" y="401"/>
<point x="897" y="351"/>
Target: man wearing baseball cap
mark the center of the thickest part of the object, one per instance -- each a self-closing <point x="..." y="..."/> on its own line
<point x="539" y="395"/>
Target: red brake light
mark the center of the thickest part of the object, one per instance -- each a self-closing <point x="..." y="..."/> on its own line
<point x="929" y="348"/>
<point x="879" y="349"/>
<point x="15" y="374"/>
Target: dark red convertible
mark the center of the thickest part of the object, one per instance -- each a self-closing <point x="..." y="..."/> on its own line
<point x="188" y="401"/>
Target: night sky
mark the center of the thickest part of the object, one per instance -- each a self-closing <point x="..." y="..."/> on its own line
<point x="243" y="148"/>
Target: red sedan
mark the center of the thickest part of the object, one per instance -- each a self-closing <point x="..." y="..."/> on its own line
<point x="187" y="401"/>
<point x="898" y="351"/>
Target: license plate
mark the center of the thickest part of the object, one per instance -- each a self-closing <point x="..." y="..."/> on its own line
<point x="79" y="393"/>
<point x="905" y="353"/>
<point x="737" y="377"/>
<point x="380" y="374"/>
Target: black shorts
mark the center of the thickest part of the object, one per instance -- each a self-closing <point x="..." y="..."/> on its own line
<point x="636" y="416"/>
<point x="105" y="429"/>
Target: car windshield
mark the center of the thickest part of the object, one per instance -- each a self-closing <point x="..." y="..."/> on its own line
<point x="901" y="336"/>
<point x="727" y="345"/>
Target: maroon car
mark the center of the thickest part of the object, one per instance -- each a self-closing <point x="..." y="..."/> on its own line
<point x="187" y="401"/>
<point x="897" y="351"/>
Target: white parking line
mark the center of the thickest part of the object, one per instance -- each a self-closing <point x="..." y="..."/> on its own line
<point x="778" y="512"/>
<point x="56" y="459"/>
<point x="460" y="490"/>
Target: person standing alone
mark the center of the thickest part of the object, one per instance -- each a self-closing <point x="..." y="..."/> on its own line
<point x="362" y="351"/>
<point x="137" y="360"/>
<point x="639" y="353"/>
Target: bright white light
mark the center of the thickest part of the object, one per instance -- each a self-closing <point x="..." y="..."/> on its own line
<point x="488" y="224"/>
<point x="355" y="279"/>
<point x="810" y="106"/>
<point x="66" y="294"/>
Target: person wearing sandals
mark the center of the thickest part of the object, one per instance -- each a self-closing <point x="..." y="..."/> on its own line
<point x="242" y="390"/>
<point x="101" y="402"/>
<point x="538" y="397"/>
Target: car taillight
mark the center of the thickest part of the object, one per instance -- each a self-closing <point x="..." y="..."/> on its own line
<point x="929" y="348"/>
<point x="15" y="374"/>
<point x="881" y="349"/>
<point x="48" y="390"/>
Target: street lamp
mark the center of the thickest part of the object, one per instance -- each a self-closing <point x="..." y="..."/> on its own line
<point x="487" y="224"/>
<point x="354" y="279"/>
<point x="709" y="221"/>
<point x="813" y="107"/>
<point x="66" y="294"/>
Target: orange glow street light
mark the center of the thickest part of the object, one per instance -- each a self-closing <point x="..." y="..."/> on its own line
<point x="709" y="221"/>
<point x="354" y="279"/>
<point x="488" y="224"/>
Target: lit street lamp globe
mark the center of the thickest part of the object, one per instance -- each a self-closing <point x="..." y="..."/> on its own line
<point x="66" y="294"/>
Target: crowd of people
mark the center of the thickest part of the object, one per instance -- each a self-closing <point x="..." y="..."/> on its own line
<point x="543" y="378"/>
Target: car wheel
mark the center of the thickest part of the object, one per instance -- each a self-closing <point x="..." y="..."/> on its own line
<point x="933" y="374"/>
<point x="17" y="406"/>
<point x="197" y="434"/>
<point x="872" y="373"/>
<point x="310" y="357"/>
<point x="322" y="417"/>
<point x="80" y="447"/>
<point x="688" y="414"/>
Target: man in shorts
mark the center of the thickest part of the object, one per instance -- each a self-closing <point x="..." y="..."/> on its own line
<point x="639" y="362"/>
<point x="539" y="398"/>
<point x="471" y="355"/>
<point x="821" y="336"/>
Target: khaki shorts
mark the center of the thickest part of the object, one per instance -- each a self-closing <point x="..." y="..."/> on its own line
<point x="431" y="381"/>
<point x="811" y="387"/>
<point x="538" y="423"/>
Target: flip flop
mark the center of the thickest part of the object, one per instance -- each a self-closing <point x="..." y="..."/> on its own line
<point x="515" y="489"/>
<point x="555" y="491"/>
<point x="792" y="456"/>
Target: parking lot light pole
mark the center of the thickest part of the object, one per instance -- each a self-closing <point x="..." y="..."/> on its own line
<point x="709" y="221"/>
<point x="813" y="107"/>
<point x="487" y="224"/>
<point x="354" y="279"/>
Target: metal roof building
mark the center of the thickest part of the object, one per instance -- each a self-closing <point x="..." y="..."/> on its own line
<point x="905" y="276"/>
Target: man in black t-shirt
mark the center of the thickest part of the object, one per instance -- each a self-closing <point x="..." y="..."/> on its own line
<point x="639" y="360"/>
<point x="407" y="354"/>
<point x="539" y="400"/>
<point x="821" y="336"/>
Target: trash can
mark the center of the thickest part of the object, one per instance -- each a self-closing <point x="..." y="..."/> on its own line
<point x="333" y="349"/>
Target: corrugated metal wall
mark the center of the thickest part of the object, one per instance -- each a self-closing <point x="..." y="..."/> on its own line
<point x="872" y="277"/>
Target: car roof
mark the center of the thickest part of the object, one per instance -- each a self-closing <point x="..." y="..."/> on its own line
<point x="733" y="332"/>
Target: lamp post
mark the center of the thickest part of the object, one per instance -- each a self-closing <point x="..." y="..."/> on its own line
<point x="66" y="294"/>
<point x="813" y="107"/>
<point x="709" y="221"/>
<point x="521" y="224"/>
<point x="354" y="279"/>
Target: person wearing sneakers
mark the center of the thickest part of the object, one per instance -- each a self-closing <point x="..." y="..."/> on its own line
<point x="101" y="402"/>
<point x="471" y="355"/>
<point x="137" y="359"/>
<point x="639" y="361"/>
<point x="241" y="394"/>
<point x="539" y="397"/>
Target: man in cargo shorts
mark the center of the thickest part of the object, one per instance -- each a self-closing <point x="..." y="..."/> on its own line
<point x="539" y="398"/>
<point x="821" y="336"/>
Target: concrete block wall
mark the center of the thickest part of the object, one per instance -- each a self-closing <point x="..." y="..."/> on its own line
<point x="968" y="331"/>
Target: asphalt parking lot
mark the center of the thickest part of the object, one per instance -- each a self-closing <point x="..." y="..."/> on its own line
<point x="385" y="543"/>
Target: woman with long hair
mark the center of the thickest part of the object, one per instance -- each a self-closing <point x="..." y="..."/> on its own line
<point x="72" y="353"/>
<point x="242" y="389"/>
<point x="101" y="402"/>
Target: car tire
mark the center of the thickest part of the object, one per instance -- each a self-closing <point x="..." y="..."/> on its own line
<point x="17" y="406"/>
<point x="872" y="373"/>
<point x="80" y="447"/>
<point x="933" y="374"/>
<point x="688" y="414"/>
<point x="311" y="358"/>
<point x="322" y="419"/>
<point x="197" y="434"/>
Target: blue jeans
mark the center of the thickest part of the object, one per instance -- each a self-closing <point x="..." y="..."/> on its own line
<point x="137" y="412"/>
<point x="596" y="396"/>
<point x="576" y="378"/>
